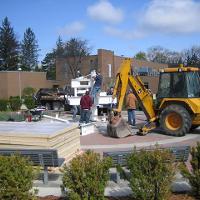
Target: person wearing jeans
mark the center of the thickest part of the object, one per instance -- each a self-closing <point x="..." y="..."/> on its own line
<point x="131" y="106"/>
<point x="97" y="85"/>
<point x="85" y="116"/>
<point x="131" y="116"/>
<point x="86" y="104"/>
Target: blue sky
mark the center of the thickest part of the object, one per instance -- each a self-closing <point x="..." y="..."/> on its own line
<point x="123" y="26"/>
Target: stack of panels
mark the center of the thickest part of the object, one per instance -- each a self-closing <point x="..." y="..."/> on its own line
<point x="39" y="135"/>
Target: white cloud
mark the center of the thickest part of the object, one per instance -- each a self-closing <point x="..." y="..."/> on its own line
<point x="125" y="34"/>
<point x="72" y="29"/>
<point x="106" y="12"/>
<point x="172" y="16"/>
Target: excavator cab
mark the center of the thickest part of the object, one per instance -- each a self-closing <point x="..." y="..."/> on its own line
<point x="177" y="110"/>
<point x="179" y="85"/>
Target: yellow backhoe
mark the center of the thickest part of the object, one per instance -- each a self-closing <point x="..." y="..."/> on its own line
<point x="177" y="107"/>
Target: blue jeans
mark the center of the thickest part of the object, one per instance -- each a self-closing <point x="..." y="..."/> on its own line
<point x="95" y="90"/>
<point x="75" y="110"/>
<point x="85" y="116"/>
<point x="131" y="116"/>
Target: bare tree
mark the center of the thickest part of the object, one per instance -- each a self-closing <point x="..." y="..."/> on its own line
<point x="157" y="54"/>
<point x="162" y="55"/>
<point x="74" y="51"/>
<point x="191" y="57"/>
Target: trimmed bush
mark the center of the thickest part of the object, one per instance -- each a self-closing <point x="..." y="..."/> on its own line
<point x="28" y="91"/>
<point x="86" y="176"/>
<point x="194" y="175"/>
<point x="16" y="178"/>
<point x="3" y="104"/>
<point x="4" y="116"/>
<point x="29" y="102"/>
<point x="15" y="103"/>
<point x="151" y="174"/>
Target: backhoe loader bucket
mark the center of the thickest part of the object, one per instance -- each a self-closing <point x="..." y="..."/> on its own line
<point x="118" y="128"/>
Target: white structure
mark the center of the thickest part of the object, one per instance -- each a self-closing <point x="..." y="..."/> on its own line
<point x="87" y="129"/>
<point x="80" y="85"/>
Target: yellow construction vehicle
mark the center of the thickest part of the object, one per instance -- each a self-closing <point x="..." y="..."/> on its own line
<point x="177" y="107"/>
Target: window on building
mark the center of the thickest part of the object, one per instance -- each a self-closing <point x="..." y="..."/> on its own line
<point x="146" y="71"/>
<point x="146" y="84"/>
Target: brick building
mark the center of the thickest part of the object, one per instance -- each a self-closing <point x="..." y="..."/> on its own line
<point x="108" y="63"/>
<point x="12" y="83"/>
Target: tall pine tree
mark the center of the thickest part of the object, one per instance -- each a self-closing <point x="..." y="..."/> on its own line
<point x="29" y="51"/>
<point x="9" y="47"/>
<point x="59" y="48"/>
<point x="49" y="62"/>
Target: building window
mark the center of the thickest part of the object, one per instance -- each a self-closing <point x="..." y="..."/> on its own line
<point x="147" y="71"/>
<point x="146" y="84"/>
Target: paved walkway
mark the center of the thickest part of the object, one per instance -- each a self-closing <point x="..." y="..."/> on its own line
<point x="100" y="141"/>
<point x="113" y="189"/>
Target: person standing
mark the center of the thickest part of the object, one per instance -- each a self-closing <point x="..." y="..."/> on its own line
<point x="110" y="91"/>
<point x="97" y="85"/>
<point x="86" y="104"/>
<point x="131" y="106"/>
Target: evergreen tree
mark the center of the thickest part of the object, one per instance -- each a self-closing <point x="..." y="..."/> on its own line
<point x="49" y="65"/>
<point x="49" y="62"/>
<point x="140" y="56"/>
<point x="9" y="47"/>
<point x="59" y="48"/>
<point x="29" y="51"/>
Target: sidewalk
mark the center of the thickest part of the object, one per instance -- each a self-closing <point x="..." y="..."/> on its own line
<point x="113" y="189"/>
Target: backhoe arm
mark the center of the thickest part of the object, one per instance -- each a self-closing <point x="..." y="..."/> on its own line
<point x="143" y="95"/>
<point x="121" y="84"/>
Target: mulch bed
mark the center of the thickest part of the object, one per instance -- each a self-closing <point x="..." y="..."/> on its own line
<point x="173" y="197"/>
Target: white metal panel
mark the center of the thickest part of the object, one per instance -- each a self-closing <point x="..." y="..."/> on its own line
<point x="102" y="100"/>
<point x="74" y="101"/>
<point x="109" y="70"/>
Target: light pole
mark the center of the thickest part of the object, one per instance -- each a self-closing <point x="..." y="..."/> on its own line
<point x="20" y="92"/>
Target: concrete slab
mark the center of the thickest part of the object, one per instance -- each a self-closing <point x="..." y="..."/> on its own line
<point x="40" y="129"/>
<point x="64" y="137"/>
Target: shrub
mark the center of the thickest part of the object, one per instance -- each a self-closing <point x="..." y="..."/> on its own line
<point x="16" y="178"/>
<point x="194" y="175"/>
<point x="4" y="116"/>
<point x="15" y="103"/>
<point x="28" y="91"/>
<point x="86" y="176"/>
<point x="151" y="174"/>
<point x="3" y="104"/>
<point x="29" y="102"/>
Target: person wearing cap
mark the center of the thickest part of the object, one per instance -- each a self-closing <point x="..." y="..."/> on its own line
<point x="131" y="106"/>
<point x="86" y="104"/>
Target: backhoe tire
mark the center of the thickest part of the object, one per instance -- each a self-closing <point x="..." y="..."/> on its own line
<point x="175" y="120"/>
